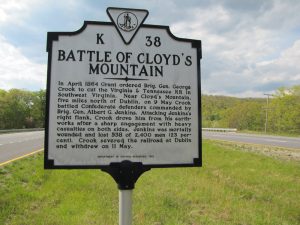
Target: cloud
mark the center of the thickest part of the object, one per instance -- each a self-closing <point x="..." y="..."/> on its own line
<point x="14" y="11"/>
<point x="285" y="69"/>
<point x="249" y="47"/>
<point x="17" y="71"/>
<point x="242" y="53"/>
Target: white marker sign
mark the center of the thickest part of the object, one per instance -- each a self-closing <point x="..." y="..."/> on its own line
<point x="122" y="90"/>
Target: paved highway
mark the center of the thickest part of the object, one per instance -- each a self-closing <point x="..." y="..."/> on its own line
<point x="15" y="145"/>
<point x="279" y="141"/>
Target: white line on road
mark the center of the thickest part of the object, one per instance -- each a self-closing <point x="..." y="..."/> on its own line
<point x="273" y="140"/>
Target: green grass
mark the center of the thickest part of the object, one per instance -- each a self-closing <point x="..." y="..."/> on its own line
<point x="233" y="187"/>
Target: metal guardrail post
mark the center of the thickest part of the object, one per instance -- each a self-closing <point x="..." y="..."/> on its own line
<point x="20" y="130"/>
<point x="220" y="129"/>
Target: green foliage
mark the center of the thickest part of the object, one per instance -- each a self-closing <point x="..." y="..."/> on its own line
<point x="230" y="112"/>
<point x="38" y="108"/>
<point x="21" y="109"/>
<point x="213" y="109"/>
<point x="245" y="116"/>
<point x="250" y="113"/>
<point x="285" y="110"/>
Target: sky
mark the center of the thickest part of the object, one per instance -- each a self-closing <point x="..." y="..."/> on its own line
<point x="249" y="47"/>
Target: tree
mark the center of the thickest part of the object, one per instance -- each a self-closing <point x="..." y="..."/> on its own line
<point x="245" y="116"/>
<point x="285" y="113"/>
<point x="22" y="109"/>
<point x="38" y="108"/>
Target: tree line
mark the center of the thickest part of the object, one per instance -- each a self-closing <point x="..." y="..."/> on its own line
<point x="22" y="109"/>
<point x="283" y="112"/>
<point x="26" y="109"/>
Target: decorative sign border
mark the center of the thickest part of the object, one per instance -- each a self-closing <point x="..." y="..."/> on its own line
<point x="54" y="36"/>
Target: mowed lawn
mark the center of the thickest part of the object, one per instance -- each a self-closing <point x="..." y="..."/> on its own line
<point x="232" y="187"/>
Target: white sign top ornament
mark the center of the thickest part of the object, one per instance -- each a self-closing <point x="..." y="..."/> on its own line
<point x="127" y="22"/>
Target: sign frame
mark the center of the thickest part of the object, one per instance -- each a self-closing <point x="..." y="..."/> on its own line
<point x="54" y="36"/>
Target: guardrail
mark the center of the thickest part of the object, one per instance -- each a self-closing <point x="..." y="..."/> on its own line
<point x="220" y="129"/>
<point x="20" y="130"/>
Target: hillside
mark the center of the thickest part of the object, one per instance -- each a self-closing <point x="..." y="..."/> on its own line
<point x="250" y="113"/>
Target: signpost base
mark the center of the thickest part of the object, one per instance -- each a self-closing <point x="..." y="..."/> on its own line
<point x="125" y="174"/>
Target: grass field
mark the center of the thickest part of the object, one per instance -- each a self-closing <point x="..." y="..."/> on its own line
<point x="232" y="187"/>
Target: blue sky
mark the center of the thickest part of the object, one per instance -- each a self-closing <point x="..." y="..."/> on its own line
<point x="249" y="47"/>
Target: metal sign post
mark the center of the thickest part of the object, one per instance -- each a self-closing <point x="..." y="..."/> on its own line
<point x="123" y="97"/>
<point x="125" y="174"/>
<point x="125" y="207"/>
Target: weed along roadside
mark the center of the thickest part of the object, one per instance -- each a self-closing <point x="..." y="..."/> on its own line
<point x="149" y="86"/>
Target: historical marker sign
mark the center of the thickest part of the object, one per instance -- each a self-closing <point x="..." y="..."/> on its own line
<point x="122" y="90"/>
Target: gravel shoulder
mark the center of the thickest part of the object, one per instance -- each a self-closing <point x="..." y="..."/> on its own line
<point x="289" y="154"/>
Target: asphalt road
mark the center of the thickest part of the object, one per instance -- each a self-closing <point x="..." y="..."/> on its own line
<point x="279" y="141"/>
<point x="16" y="145"/>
